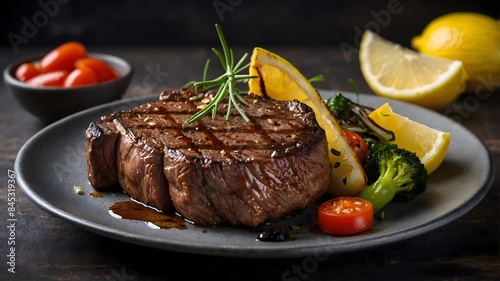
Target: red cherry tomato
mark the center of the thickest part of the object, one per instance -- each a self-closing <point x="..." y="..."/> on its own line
<point x="51" y="79"/>
<point x="345" y="215"/>
<point x="103" y="70"/>
<point x="63" y="57"/>
<point x="81" y="77"/>
<point x="26" y="71"/>
<point x="358" y="144"/>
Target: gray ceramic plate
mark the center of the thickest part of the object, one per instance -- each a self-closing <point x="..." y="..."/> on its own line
<point x="52" y="162"/>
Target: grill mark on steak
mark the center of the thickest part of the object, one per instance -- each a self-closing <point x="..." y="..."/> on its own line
<point x="212" y="138"/>
<point x="215" y="170"/>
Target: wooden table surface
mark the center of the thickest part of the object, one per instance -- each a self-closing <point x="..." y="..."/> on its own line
<point x="48" y="248"/>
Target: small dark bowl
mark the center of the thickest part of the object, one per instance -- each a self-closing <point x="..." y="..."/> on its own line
<point x="52" y="103"/>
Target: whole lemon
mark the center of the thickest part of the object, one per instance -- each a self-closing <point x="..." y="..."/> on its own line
<point x="471" y="38"/>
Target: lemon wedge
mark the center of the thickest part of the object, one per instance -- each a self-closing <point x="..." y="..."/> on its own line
<point x="280" y="80"/>
<point x="429" y="144"/>
<point x="393" y="71"/>
<point x="472" y="38"/>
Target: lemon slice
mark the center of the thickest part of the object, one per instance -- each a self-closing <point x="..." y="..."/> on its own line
<point x="395" y="72"/>
<point x="429" y="144"/>
<point x="279" y="79"/>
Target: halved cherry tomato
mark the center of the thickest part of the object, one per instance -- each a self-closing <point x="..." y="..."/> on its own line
<point x="103" y="70"/>
<point x="54" y="79"/>
<point x="345" y="215"/>
<point x="63" y="57"/>
<point x="26" y="71"/>
<point x="81" y="77"/>
<point x="358" y="144"/>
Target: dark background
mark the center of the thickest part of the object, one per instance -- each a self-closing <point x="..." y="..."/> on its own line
<point x="324" y="23"/>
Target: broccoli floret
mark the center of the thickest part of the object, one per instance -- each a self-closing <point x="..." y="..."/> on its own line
<point x="339" y="106"/>
<point x="354" y="117"/>
<point x="393" y="174"/>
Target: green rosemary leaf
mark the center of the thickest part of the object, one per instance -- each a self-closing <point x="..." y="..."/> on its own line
<point x="222" y="59"/>
<point x="225" y="82"/>
<point x="317" y="78"/>
<point x="223" y="42"/>
<point x="240" y="111"/>
<point x="240" y="62"/>
<point x="240" y="98"/>
<point x="205" y="70"/>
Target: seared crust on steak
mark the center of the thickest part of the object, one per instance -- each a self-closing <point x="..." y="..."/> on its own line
<point x="100" y="143"/>
<point x="214" y="171"/>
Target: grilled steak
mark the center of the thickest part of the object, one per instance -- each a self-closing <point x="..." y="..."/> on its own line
<point x="214" y="171"/>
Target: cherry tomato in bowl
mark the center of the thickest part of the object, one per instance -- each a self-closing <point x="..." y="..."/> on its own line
<point x="50" y="103"/>
<point x="345" y="215"/>
<point x="103" y="71"/>
<point x="49" y="79"/>
<point x="71" y="57"/>
<point x="81" y="77"/>
<point x="26" y="71"/>
<point x="63" y="57"/>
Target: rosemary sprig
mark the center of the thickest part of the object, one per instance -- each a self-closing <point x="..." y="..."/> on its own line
<point x="226" y="83"/>
<point x="317" y="78"/>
